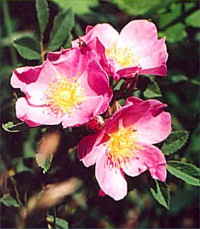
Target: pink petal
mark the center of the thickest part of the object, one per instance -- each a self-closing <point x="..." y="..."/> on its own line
<point x="57" y="56"/>
<point x="127" y="116"/>
<point x="134" y="167"/>
<point x="35" y="115"/>
<point x="141" y="35"/>
<point x="96" y="51"/>
<point x="47" y="74"/>
<point x="24" y="75"/>
<point x="133" y="100"/>
<point x="35" y="93"/>
<point x="88" y="28"/>
<point x="104" y="32"/>
<point x="89" y="149"/>
<point x="95" y="81"/>
<point x="160" y="71"/>
<point x="101" y="193"/>
<point x="84" y="112"/>
<point x="155" y="61"/>
<point x="69" y="62"/>
<point x="72" y="62"/>
<point x="154" y="125"/>
<point x="154" y="160"/>
<point x="152" y="129"/>
<point x="111" y="180"/>
<point x="127" y="72"/>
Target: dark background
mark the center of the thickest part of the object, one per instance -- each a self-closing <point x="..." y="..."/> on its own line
<point x="20" y="176"/>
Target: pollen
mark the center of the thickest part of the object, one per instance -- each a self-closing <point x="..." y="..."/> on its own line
<point x="64" y="95"/>
<point x="121" y="146"/>
<point x="123" y="56"/>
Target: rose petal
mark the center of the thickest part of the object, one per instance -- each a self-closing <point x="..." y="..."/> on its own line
<point x="24" y="75"/>
<point x="141" y="35"/>
<point x="134" y="167"/>
<point x="84" y="112"/>
<point x="90" y="159"/>
<point x="35" y="115"/>
<point x="95" y="81"/>
<point x="111" y="180"/>
<point x="153" y="129"/>
<point x="104" y="32"/>
<point x="153" y="159"/>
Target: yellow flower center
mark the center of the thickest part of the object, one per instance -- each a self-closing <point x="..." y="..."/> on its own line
<point x="63" y="95"/>
<point x="124" y="57"/>
<point x="121" y="146"/>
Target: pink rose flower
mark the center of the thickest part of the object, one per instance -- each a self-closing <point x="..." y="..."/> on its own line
<point x="136" y="49"/>
<point x="71" y="91"/>
<point x="125" y="145"/>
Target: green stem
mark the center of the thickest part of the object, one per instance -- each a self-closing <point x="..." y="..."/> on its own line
<point x="7" y="21"/>
<point x="42" y="51"/>
<point x="16" y="191"/>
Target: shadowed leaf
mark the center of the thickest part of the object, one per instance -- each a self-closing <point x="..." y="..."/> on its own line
<point x="175" y="141"/>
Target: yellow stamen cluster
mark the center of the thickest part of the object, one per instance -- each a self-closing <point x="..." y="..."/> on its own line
<point x="63" y="95"/>
<point x="124" y="57"/>
<point x="121" y="146"/>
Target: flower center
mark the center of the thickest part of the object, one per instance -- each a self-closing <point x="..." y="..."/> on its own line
<point x="121" y="146"/>
<point x="124" y="57"/>
<point x="63" y="95"/>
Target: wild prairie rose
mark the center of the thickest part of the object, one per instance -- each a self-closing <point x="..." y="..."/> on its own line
<point x="136" y="49"/>
<point x="125" y="145"/>
<point x="66" y="91"/>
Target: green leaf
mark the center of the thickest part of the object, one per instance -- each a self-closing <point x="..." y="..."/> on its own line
<point x="28" y="48"/>
<point x="185" y="171"/>
<point x="136" y="7"/>
<point x="9" y="201"/>
<point x="175" y="141"/>
<point x="152" y="90"/>
<point x="194" y="19"/>
<point x="167" y="18"/>
<point x="118" y="84"/>
<point x="78" y="6"/>
<point x="161" y="194"/>
<point x="44" y="161"/>
<point x="42" y="14"/>
<point x="8" y="126"/>
<point x="177" y="78"/>
<point x="175" y="33"/>
<point x="195" y="82"/>
<point x="63" y="24"/>
<point x="59" y="223"/>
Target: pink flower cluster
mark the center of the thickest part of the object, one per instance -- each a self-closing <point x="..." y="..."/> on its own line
<point x="72" y="87"/>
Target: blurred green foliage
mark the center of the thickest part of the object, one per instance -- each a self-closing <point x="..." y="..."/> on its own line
<point x="23" y="41"/>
